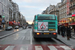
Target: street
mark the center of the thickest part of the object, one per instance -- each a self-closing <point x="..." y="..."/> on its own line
<point x="24" y="39"/>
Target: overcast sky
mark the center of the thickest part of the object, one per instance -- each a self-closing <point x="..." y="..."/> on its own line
<point x="29" y="8"/>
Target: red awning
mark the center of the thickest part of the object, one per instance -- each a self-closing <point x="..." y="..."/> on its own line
<point x="73" y="15"/>
<point x="72" y="23"/>
<point x="10" y="22"/>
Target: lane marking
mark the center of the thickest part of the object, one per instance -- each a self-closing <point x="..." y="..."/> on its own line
<point x="38" y="48"/>
<point x="52" y="48"/>
<point x="10" y="48"/>
<point x="31" y="37"/>
<point x="23" y="37"/>
<point x="66" y="47"/>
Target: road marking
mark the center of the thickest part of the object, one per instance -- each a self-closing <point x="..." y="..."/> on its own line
<point x="66" y="47"/>
<point x="38" y="48"/>
<point x="23" y="37"/>
<point x="24" y="48"/>
<point x="10" y="48"/>
<point x="52" y="48"/>
<point x="31" y="37"/>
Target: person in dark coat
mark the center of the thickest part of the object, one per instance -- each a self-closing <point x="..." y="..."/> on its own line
<point x="63" y="30"/>
<point x="59" y="29"/>
<point x="68" y="33"/>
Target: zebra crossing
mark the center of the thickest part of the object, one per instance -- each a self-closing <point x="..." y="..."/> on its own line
<point x="35" y="47"/>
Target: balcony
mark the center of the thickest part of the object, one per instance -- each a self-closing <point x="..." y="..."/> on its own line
<point x="72" y="7"/>
<point x="71" y="0"/>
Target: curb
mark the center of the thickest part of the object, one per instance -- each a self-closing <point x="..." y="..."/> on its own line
<point x="62" y="41"/>
<point x="65" y="43"/>
<point x="73" y="37"/>
<point x="9" y="34"/>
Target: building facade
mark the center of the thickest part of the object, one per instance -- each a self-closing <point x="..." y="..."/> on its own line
<point x="62" y="9"/>
<point x="4" y="10"/>
<point x="15" y="12"/>
<point x="54" y="10"/>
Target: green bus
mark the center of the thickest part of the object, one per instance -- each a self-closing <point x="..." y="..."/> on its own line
<point x="45" y="26"/>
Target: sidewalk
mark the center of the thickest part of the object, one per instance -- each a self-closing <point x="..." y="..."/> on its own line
<point x="72" y="34"/>
<point x="70" y="42"/>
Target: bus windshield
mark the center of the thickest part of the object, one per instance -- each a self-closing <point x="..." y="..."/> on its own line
<point x="46" y="17"/>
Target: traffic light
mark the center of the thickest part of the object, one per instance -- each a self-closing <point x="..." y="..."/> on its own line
<point x="3" y="16"/>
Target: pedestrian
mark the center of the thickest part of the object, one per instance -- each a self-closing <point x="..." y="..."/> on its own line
<point x="63" y="30"/>
<point x="68" y="32"/>
<point x="74" y="29"/>
<point x="59" y="29"/>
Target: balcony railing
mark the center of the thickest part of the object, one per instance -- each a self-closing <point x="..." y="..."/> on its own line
<point x="72" y="7"/>
<point x="71" y="0"/>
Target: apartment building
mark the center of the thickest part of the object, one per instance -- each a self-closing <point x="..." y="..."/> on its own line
<point x="63" y="9"/>
<point x="4" y="10"/>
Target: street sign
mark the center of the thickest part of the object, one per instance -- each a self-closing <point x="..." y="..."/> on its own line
<point x="3" y="21"/>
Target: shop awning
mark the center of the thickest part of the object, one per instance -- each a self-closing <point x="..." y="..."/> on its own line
<point x="73" y="15"/>
<point x="72" y="23"/>
<point x="10" y="22"/>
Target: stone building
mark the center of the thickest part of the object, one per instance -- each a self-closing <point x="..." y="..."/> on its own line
<point x="15" y="12"/>
<point x="62" y="9"/>
<point x="54" y="10"/>
<point x="4" y="10"/>
<point x="72" y="6"/>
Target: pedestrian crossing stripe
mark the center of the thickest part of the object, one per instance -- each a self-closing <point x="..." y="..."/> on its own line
<point x="38" y="48"/>
<point x="52" y="48"/>
<point x="35" y="47"/>
<point x="65" y="47"/>
<point x="10" y="48"/>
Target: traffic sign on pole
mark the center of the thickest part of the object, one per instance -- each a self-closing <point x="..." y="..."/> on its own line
<point x="3" y="16"/>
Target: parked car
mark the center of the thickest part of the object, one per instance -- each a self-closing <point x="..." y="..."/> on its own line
<point x="29" y="26"/>
<point x="9" y="28"/>
<point x="24" y="27"/>
<point x="16" y="27"/>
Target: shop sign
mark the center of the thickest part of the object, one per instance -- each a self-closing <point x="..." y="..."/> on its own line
<point x="3" y="21"/>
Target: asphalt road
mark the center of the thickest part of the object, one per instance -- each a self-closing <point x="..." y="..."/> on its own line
<point x="23" y="40"/>
<point x="25" y="37"/>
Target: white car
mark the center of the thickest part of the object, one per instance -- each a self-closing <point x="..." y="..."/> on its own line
<point x="16" y="27"/>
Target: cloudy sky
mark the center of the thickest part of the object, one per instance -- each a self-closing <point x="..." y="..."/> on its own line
<point x="29" y="8"/>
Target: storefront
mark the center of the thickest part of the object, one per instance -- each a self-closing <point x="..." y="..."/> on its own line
<point x="64" y="21"/>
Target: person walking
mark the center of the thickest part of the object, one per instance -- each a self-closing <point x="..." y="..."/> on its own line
<point x="68" y="33"/>
<point x="74" y="29"/>
<point x="63" y="30"/>
<point x="59" y="29"/>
